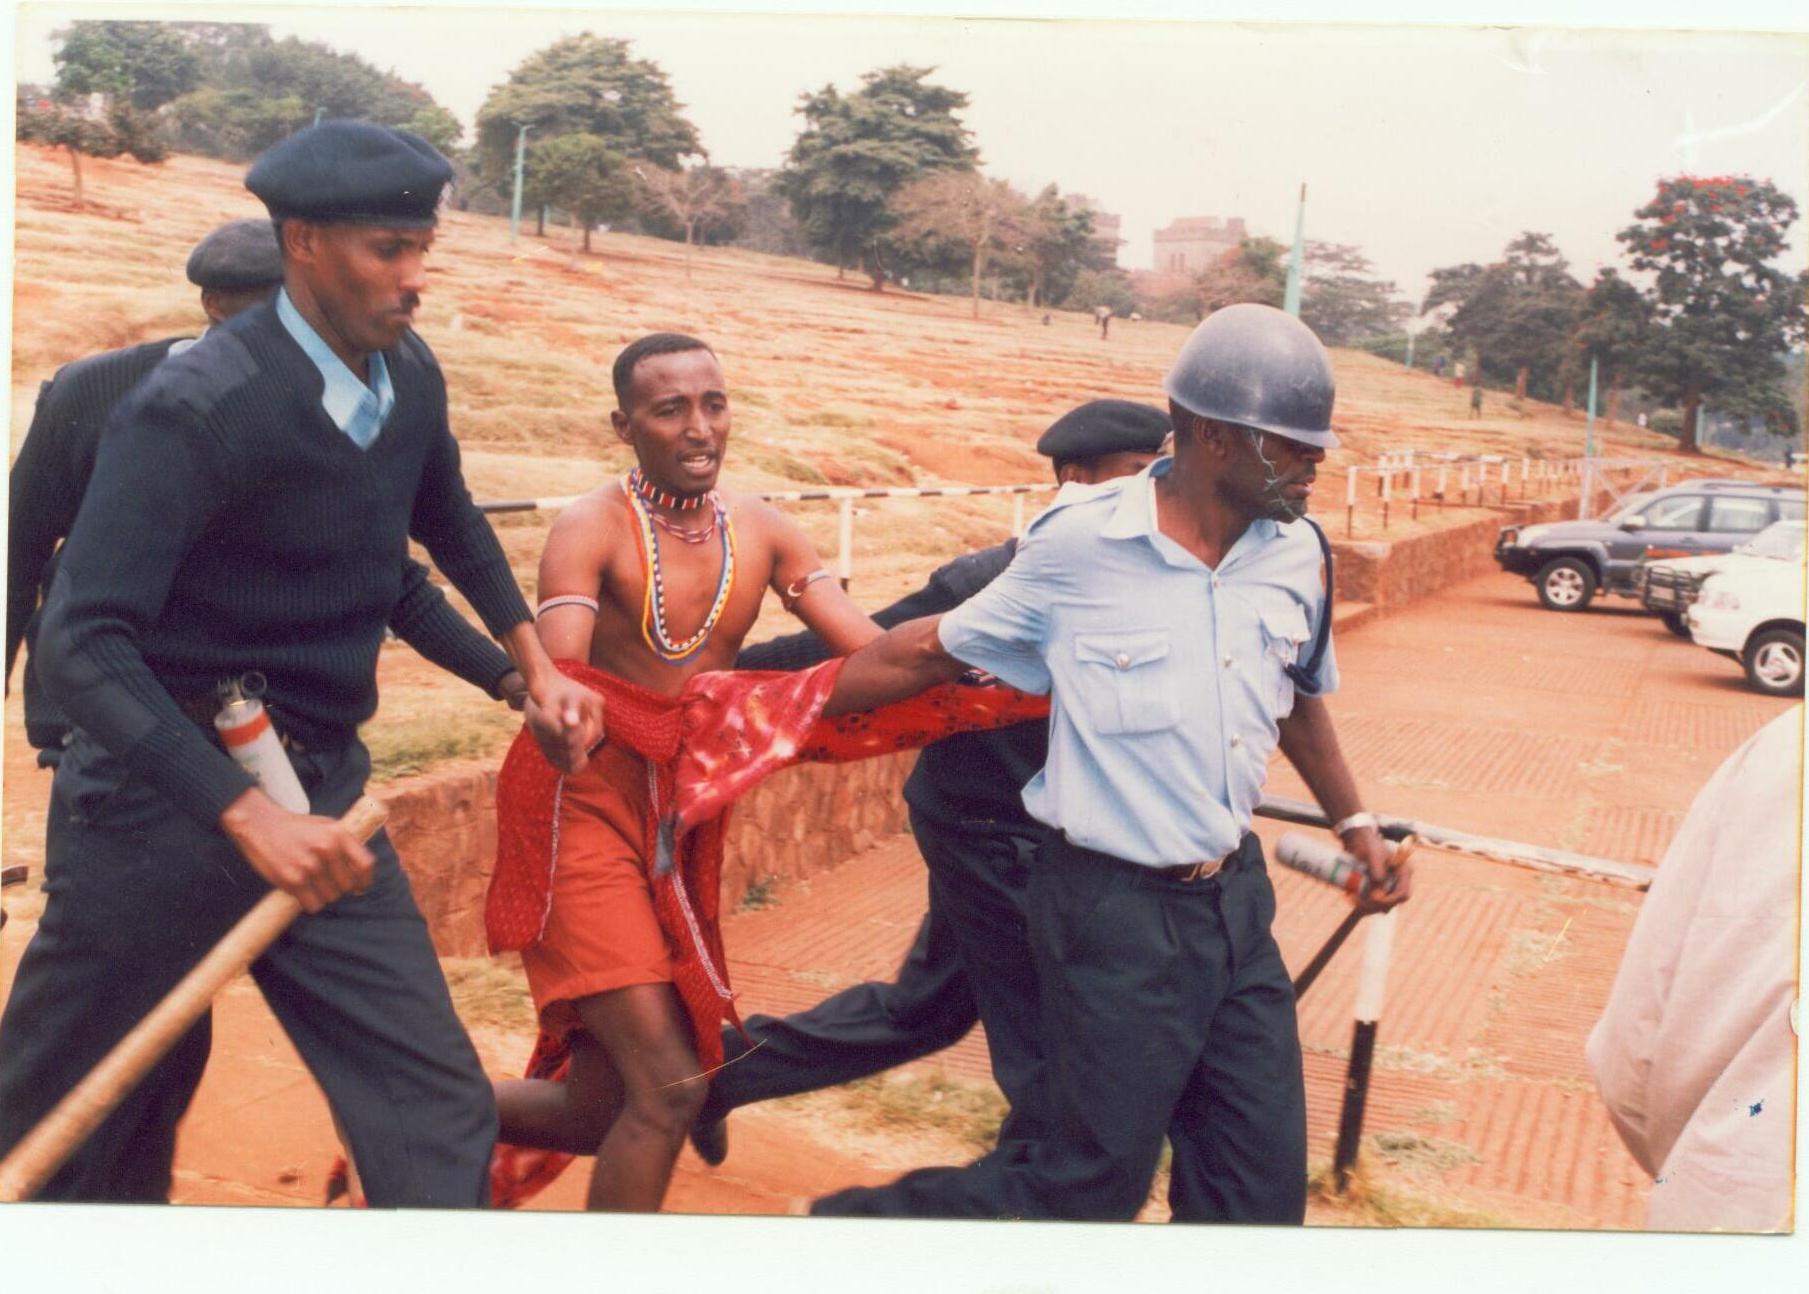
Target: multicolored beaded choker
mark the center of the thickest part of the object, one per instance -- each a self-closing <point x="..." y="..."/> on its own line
<point x="639" y="485"/>
<point x="653" y="606"/>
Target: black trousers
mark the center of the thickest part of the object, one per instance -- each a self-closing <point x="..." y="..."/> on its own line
<point x="1166" y="1012"/>
<point x="136" y="893"/>
<point x="970" y="961"/>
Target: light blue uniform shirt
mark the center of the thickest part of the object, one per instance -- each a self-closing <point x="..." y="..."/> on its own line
<point x="1167" y="675"/>
<point x="356" y="409"/>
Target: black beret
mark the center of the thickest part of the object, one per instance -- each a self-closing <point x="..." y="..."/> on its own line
<point x="239" y="254"/>
<point x="1101" y="427"/>
<point x="352" y="172"/>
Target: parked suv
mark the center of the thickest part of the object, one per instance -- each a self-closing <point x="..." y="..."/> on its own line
<point x="1570" y="561"/>
<point x="1667" y="588"/>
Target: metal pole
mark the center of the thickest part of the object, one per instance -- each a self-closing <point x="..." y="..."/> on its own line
<point x="1291" y="302"/>
<point x="845" y="539"/>
<point x="521" y="153"/>
<point x="1371" y="983"/>
<point x="1589" y="429"/>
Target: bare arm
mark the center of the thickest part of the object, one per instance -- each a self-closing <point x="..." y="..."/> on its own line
<point x="571" y="565"/>
<point x="899" y="663"/>
<point x="1311" y="745"/>
<point x="565" y="717"/>
<point x="824" y="606"/>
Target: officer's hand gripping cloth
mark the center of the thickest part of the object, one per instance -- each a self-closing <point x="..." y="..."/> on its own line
<point x="707" y="747"/>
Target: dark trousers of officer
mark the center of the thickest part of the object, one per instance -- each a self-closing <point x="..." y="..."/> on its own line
<point x="1166" y="1013"/>
<point x="970" y="961"/>
<point x="136" y="893"/>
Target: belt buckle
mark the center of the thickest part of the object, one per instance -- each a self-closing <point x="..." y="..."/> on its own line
<point x="1205" y="869"/>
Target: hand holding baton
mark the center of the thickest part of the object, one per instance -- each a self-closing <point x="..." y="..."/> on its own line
<point x="42" y="1150"/>
<point x="1328" y="863"/>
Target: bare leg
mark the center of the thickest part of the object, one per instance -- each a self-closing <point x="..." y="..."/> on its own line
<point x="648" y="1040"/>
<point x="572" y="1116"/>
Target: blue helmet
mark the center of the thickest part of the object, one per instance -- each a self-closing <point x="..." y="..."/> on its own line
<point x="1257" y="366"/>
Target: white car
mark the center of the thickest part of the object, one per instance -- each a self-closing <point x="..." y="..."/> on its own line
<point x="1667" y="587"/>
<point x="1754" y="614"/>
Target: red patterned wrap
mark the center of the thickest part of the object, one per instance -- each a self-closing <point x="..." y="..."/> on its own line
<point x="720" y="737"/>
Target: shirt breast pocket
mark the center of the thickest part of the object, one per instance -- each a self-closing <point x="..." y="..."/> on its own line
<point x="1285" y="635"/>
<point x="1123" y="684"/>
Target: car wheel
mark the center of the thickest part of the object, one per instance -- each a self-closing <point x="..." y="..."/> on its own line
<point x="1676" y="622"/>
<point x="1774" y="662"/>
<point x="1565" y="584"/>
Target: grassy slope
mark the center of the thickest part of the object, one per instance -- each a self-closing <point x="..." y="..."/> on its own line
<point x="831" y="383"/>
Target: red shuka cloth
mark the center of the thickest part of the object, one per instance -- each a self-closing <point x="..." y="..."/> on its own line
<point x="710" y="745"/>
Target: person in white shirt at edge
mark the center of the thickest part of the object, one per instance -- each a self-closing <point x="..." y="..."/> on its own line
<point x="1694" y="1053"/>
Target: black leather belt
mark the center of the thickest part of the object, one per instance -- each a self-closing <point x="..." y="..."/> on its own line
<point x="1183" y="872"/>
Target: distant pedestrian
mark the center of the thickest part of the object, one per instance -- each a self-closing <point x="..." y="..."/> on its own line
<point x="1476" y="401"/>
<point x="1438" y="366"/>
<point x="1104" y="315"/>
<point x="1457" y="374"/>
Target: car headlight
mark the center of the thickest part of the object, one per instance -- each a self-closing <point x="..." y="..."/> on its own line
<point x="1531" y="535"/>
<point x="1719" y="600"/>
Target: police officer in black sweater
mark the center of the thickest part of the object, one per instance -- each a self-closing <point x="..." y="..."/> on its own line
<point x="236" y="266"/>
<point x="970" y="960"/>
<point x="250" y="509"/>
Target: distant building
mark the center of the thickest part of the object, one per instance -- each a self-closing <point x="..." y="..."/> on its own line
<point x="1105" y="223"/>
<point x="1190" y="243"/>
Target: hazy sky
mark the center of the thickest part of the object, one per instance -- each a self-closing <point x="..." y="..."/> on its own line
<point x="1425" y="146"/>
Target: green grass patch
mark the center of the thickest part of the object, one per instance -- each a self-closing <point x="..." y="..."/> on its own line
<point x="1367" y="1202"/>
<point x="968" y="1114"/>
<point x="489" y="993"/>
<point x="411" y="746"/>
<point x="762" y="892"/>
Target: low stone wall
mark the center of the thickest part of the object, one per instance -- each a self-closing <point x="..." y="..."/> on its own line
<point x="801" y="821"/>
<point x="809" y="818"/>
<point x="1406" y="570"/>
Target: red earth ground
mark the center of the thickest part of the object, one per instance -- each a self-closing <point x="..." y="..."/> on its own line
<point x="1474" y="709"/>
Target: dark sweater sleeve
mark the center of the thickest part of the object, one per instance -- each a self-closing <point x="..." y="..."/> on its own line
<point x="426" y="621"/>
<point x="460" y="538"/>
<point x="41" y="504"/>
<point x="161" y="474"/>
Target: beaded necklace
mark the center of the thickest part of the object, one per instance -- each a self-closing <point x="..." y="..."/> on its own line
<point x="653" y="607"/>
<point x="655" y="496"/>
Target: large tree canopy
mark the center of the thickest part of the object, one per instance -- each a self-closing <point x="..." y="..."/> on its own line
<point x="1517" y="314"/>
<point x="254" y="90"/>
<point x="1059" y="243"/>
<point x="856" y="151"/>
<point x="588" y="85"/>
<point x="145" y="63"/>
<point x="1342" y="300"/>
<point x="985" y="219"/>
<point x="1724" y="314"/>
<point x="583" y="175"/>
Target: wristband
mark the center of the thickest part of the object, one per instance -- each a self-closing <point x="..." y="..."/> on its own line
<point x="1362" y="819"/>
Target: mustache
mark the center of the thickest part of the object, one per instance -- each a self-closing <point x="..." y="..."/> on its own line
<point x="410" y="300"/>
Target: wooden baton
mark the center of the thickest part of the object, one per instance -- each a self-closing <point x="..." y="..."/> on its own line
<point x="42" y="1150"/>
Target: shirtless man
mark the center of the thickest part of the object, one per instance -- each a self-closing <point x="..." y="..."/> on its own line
<point x="653" y="579"/>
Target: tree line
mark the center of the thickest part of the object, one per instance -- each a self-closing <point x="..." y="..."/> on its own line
<point x="885" y="180"/>
<point x="1715" y="320"/>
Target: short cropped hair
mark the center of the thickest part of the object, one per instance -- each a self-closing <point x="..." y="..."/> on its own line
<point x="658" y="343"/>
